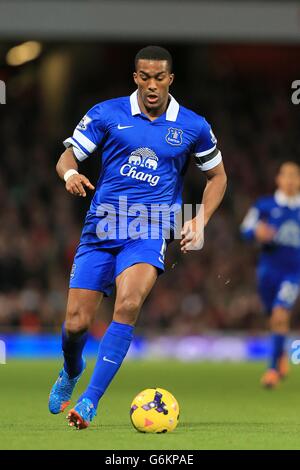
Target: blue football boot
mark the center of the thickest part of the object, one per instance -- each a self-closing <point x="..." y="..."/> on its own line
<point x="82" y="414"/>
<point x="62" y="390"/>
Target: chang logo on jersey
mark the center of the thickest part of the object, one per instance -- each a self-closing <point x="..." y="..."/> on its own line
<point x="288" y="234"/>
<point x="174" y="136"/>
<point x="140" y="160"/>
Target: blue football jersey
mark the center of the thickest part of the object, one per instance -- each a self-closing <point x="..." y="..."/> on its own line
<point x="143" y="160"/>
<point x="283" y="214"/>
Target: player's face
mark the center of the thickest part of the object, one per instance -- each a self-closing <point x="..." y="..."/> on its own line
<point x="153" y="79"/>
<point x="288" y="179"/>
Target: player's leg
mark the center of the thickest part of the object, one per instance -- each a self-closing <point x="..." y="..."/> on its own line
<point x="133" y="286"/>
<point x="279" y="326"/>
<point x="92" y="275"/>
<point x="268" y="283"/>
<point x="81" y="310"/>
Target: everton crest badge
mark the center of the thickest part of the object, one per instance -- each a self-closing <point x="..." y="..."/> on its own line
<point x="174" y="136"/>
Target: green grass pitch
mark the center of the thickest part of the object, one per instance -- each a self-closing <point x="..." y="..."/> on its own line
<point x="222" y="407"/>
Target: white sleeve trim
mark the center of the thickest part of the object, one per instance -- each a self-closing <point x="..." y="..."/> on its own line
<point x="206" y="152"/>
<point x="211" y="163"/>
<point x="84" y="141"/>
<point x="79" y="154"/>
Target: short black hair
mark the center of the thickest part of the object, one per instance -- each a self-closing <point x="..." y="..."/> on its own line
<point x="154" y="53"/>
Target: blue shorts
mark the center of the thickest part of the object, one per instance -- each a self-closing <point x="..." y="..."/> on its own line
<point x="96" y="265"/>
<point x="277" y="288"/>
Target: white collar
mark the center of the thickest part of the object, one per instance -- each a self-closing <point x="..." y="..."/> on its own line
<point x="172" y="110"/>
<point x="290" y="201"/>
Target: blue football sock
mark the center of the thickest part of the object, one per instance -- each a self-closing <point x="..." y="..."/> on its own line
<point x="72" y="346"/>
<point x="277" y="349"/>
<point x="112" y="351"/>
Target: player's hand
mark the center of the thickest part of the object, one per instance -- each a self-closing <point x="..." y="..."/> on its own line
<point x="264" y="233"/>
<point x="76" y="184"/>
<point x="192" y="233"/>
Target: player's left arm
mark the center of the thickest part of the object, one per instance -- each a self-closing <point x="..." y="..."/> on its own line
<point x="214" y="190"/>
<point x="213" y="194"/>
<point x="209" y="159"/>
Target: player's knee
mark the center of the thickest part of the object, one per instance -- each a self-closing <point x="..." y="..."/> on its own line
<point x="281" y="327"/>
<point x="127" y="310"/>
<point x="279" y="321"/>
<point x="77" y="321"/>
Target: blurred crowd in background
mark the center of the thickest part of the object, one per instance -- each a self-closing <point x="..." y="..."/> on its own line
<point x="244" y="92"/>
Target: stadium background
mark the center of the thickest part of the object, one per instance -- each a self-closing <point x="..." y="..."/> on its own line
<point x="235" y="62"/>
<point x="239" y="78"/>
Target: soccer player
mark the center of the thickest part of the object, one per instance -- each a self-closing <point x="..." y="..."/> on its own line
<point x="274" y="221"/>
<point x="146" y="140"/>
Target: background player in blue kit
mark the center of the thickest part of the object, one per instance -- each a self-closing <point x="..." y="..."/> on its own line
<point x="274" y="221"/>
<point x="146" y="141"/>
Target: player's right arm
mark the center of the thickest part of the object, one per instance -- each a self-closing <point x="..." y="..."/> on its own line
<point x="87" y="136"/>
<point x="67" y="169"/>
<point x="254" y="227"/>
